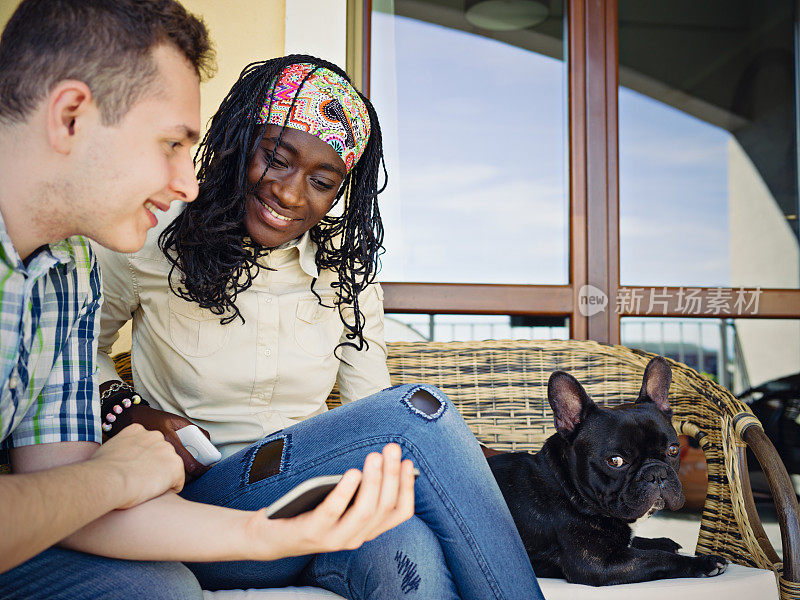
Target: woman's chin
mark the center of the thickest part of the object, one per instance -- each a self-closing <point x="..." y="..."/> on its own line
<point x="263" y="235"/>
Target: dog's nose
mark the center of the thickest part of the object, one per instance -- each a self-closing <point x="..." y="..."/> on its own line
<point x="656" y="475"/>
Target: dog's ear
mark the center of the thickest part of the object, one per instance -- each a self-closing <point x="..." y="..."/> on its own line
<point x="655" y="384"/>
<point x="569" y="401"/>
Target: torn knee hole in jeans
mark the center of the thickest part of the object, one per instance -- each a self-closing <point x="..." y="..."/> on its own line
<point x="425" y="403"/>
<point x="266" y="461"/>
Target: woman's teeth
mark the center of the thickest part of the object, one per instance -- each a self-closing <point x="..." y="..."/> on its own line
<point x="151" y="207"/>
<point x="274" y="214"/>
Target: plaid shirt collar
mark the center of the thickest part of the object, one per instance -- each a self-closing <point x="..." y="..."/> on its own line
<point x="42" y="259"/>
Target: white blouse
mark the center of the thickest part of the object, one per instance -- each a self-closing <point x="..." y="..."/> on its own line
<point x="240" y="381"/>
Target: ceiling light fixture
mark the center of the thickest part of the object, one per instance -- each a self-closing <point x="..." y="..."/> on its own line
<point x="506" y="15"/>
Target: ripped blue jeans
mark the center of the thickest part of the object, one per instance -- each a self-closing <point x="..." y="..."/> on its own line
<point x="461" y="543"/>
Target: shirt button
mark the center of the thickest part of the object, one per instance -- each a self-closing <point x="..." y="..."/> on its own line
<point x="267" y="352"/>
<point x="268" y="300"/>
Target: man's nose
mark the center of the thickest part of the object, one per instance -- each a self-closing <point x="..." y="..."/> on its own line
<point x="184" y="181"/>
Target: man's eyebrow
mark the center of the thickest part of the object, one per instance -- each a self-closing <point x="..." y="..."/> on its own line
<point x="293" y="150"/>
<point x="186" y="132"/>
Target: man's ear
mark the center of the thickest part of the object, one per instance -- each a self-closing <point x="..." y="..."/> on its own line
<point x="655" y="384"/>
<point x="569" y="401"/>
<point x="67" y="104"/>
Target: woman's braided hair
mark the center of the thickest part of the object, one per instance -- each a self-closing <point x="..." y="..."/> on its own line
<point x="207" y="243"/>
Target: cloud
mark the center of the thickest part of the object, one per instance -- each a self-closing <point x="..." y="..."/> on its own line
<point x="479" y="229"/>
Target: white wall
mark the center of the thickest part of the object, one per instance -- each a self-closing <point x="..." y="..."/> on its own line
<point x="764" y="253"/>
<point x="317" y="27"/>
<point x="243" y="31"/>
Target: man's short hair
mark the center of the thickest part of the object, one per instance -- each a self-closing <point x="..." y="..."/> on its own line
<point x="107" y="44"/>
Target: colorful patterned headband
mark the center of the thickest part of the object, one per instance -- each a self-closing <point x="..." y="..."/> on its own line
<point x="326" y="106"/>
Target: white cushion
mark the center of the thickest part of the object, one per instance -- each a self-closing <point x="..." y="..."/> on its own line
<point x="737" y="583"/>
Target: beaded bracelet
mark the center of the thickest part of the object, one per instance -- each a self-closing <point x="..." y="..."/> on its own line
<point x="114" y="400"/>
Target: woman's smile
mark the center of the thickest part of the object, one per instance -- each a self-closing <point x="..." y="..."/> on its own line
<point x="275" y="214"/>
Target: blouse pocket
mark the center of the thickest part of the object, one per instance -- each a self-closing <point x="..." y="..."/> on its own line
<point x="317" y="328"/>
<point x="195" y="331"/>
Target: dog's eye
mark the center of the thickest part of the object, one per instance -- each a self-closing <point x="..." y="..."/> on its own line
<point x="615" y="461"/>
<point x="674" y="450"/>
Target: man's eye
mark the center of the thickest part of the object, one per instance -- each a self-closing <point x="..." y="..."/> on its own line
<point x="615" y="461"/>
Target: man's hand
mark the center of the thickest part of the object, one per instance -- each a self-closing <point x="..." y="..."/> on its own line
<point x="167" y="423"/>
<point x="171" y="528"/>
<point x="146" y="465"/>
<point x="384" y="498"/>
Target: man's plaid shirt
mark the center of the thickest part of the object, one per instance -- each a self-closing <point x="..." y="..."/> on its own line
<point x="49" y="322"/>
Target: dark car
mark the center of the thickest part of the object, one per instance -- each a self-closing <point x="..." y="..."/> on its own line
<point x="776" y="403"/>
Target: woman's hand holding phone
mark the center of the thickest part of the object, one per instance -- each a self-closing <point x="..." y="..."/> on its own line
<point x="168" y="424"/>
<point x="363" y="505"/>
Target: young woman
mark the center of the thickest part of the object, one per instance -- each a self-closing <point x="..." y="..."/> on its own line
<point x="259" y="296"/>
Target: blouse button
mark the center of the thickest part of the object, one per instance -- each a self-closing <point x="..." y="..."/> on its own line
<point x="267" y="352"/>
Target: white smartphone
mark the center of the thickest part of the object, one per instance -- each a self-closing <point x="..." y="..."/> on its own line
<point x="305" y="496"/>
<point x="198" y="445"/>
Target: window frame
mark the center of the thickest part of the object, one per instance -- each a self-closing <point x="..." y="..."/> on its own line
<point x="593" y="84"/>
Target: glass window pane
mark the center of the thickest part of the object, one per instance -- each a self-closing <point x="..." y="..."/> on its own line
<point x="474" y="128"/>
<point x="738" y="353"/>
<point x="402" y="327"/>
<point x="708" y="152"/>
<point x="697" y="343"/>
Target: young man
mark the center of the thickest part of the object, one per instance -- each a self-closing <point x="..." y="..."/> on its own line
<point x="99" y="107"/>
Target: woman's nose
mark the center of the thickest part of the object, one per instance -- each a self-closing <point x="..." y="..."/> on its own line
<point x="289" y="190"/>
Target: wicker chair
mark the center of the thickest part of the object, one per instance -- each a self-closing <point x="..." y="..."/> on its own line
<point x="501" y="387"/>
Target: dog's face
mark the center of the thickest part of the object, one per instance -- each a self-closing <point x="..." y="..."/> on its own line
<point x="623" y="461"/>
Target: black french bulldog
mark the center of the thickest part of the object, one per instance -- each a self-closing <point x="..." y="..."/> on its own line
<point x="574" y="500"/>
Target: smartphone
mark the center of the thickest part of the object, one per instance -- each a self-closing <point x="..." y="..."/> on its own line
<point x="305" y="496"/>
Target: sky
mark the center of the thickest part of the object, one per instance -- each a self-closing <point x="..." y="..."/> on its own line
<point x="474" y="134"/>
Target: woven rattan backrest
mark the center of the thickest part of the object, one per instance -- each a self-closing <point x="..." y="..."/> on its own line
<point x="500" y="386"/>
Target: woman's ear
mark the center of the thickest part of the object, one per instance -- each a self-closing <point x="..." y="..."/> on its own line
<point x="67" y="104"/>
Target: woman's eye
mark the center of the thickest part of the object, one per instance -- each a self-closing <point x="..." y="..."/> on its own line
<point x="674" y="450"/>
<point x="615" y="461"/>
<point x="277" y="162"/>
<point x="273" y="159"/>
<point x="323" y="185"/>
